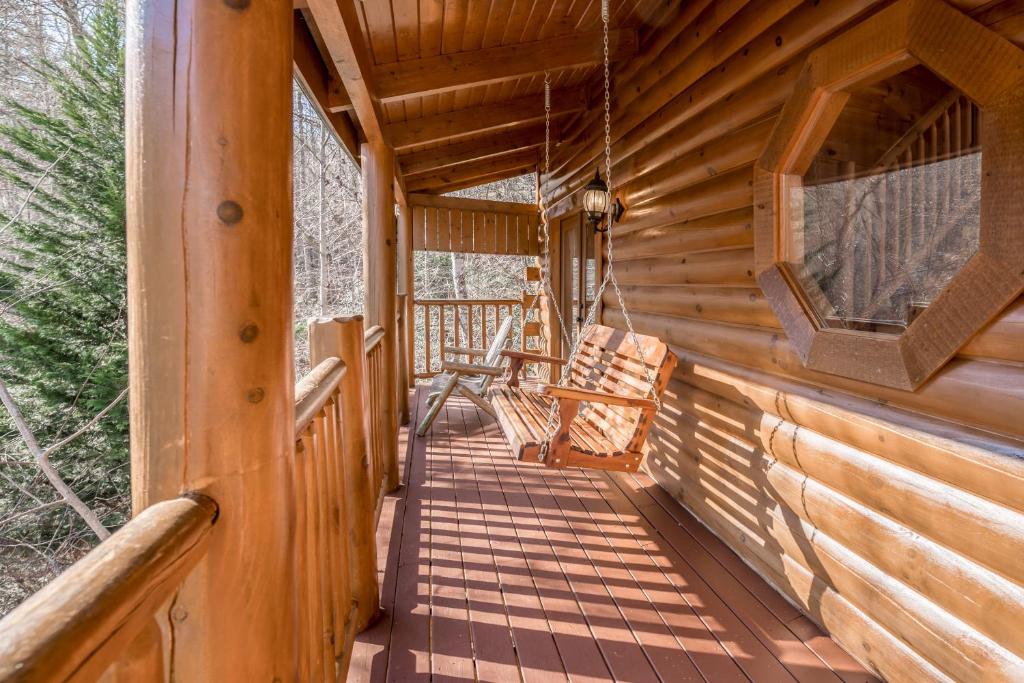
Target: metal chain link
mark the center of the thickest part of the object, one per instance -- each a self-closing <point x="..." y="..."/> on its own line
<point x="546" y="261"/>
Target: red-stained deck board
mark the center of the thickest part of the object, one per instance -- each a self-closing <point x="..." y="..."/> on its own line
<point x="495" y="570"/>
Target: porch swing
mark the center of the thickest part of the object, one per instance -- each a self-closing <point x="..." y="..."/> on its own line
<point x="609" y="391"/>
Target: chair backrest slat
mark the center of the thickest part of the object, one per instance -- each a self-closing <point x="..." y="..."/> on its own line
<point x="498" y="343"/>
<point x="494" y="358"/>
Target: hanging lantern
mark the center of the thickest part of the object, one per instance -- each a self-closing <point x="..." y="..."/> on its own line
<point x="595" y="200"/>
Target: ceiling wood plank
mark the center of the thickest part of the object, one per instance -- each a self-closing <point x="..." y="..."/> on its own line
<point x="447" y="72"/>
<point x="463" y="122"/>
<point x="426" y="160"/>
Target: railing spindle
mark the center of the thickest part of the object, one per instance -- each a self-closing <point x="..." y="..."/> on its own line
<point x="467" y="327"/>
<point x="427" y="333"/>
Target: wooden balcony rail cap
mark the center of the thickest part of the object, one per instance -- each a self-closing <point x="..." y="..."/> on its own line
<point x="373" y="337"/>
<point x="84" y="620"/>
<point x="462" y="351"/>
<point x="313" y="390"/>
<point x="466" y="302"/>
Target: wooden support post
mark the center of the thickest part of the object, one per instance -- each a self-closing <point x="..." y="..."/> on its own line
<point x="402" y="385"/>
<point x="209" y="157"/>
<point x="343" y="338"/>
<point x="406" y="284"/>
<point x="380" y="240"/>
<point x="554" y="328"/>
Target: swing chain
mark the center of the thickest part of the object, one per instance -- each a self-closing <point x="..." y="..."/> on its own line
<point x="553" y="421"/>
<point x="545" y="232"/>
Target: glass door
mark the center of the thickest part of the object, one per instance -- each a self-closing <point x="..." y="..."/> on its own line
<point x="580" y="272"/>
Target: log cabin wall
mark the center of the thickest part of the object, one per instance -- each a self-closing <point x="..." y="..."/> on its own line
<point x="893" y="519"/>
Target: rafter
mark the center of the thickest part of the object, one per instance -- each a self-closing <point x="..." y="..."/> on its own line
<point x="338" y="22"/>
<point x="521" y="162"/>
<point x="443" y="73"/>
<point x="460" y="152"/>
<point x="315" y="79"/>
<point x="337" y="99"/>
<point x="463" y="122"/>
<point x="482" y="180"/>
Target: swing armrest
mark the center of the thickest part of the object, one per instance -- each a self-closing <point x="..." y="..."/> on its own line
<point x="517" y="359"/>
<point x="577" y="394"/>
<point x="468" y="369"/>
<point x="461" y="351"/>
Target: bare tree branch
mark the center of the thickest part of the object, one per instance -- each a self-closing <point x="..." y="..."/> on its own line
<point x="43" y="460"/>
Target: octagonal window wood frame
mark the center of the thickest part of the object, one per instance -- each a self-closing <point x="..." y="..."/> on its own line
<point x="986" y="68"/>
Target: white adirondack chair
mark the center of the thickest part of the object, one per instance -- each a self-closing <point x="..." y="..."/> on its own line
<point x="471" y="380"/>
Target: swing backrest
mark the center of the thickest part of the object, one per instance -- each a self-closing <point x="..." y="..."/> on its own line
<point x="609" y="361"/>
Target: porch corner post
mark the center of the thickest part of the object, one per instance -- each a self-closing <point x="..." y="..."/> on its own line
<point x="380" y="279"/>
<point x="208" y="145"/>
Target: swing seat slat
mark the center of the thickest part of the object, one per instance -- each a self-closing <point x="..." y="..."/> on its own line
<point x="605" y="410"/>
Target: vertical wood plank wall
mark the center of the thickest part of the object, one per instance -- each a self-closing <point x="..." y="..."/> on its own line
<point x="894" y="519"/>
<point x="474" y="226"/>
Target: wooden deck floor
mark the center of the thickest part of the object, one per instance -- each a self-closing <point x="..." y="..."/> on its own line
<point x="494" y="570"/>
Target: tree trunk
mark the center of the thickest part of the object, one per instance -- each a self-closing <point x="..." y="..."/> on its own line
<point x="321" y="244"/>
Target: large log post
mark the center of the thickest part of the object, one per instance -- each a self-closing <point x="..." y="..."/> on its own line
<point x="210" y="304"/>
<point x="380" y="277"/>
<point x="343" y="338"/>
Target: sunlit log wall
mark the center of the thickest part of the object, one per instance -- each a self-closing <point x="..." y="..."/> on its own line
<point x="893" y="519"/>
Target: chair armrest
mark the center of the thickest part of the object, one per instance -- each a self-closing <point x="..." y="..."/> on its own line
<point x="516" y="360"/>
<point x="467" y="369"/>
<point x="461" y="351"/>
<point x="577" y="394"/>
<point x="533" y="357"/>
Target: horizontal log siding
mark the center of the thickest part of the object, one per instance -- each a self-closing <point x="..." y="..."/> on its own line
<point x="893" y="519"/>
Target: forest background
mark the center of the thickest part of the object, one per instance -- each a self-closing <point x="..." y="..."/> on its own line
<point x="63" y="317"/>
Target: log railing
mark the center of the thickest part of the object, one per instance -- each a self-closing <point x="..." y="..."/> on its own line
<point x="338" y="473"/>
<point x="379" y="431"/>
<point x="457" y="322"/>
<point x="324" y="589"/>
<point x="88" y="618"/>
<point x="103" y="611"/>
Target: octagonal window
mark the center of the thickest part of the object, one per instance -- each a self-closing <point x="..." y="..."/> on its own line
<point x="889" y="209"/>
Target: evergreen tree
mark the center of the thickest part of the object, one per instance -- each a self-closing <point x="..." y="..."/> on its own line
<point x="63" y="341"/>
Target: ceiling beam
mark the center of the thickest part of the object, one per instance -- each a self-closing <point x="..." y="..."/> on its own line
<point x="443" y="73"/>
<point x="413" y="163"/>
<point x="468" y="204"/>
<point x="523" y="161"/>
<point x="315" y="80"/>
<point x="337" y="99"/>
<point x="338" y="22"/>
<point x="463" y="122"/>
<point x="482" y="180"/>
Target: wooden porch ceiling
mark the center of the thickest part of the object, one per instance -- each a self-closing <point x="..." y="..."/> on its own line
<point x="455" y="86"/>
